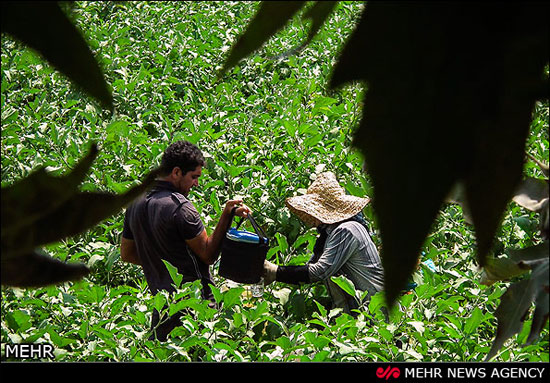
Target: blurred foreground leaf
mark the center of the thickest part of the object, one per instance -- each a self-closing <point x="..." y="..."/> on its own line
<point x="505" y="268"/>
<point x="32" y="197"/>
<point x="36" y="270"/>
<point x="271" y="17"/>
<point x="42" y="209"/>
<point x="444" y="105"/>
<point x="531" y="193"/>
<point x="516" y="302"/>
<point x="42" y="26"/>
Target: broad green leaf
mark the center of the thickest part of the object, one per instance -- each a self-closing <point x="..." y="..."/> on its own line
<point x="218" y="296"/>
<point x="322" y="310"/>
<point x="58" y="340"/>
<point x="117" y="129"/>
<point x="232" y="296"/>
<point x="18" y="320"/>
<point x="180" y="305"/>
<point x="159" y="301"/>
<point x="282" y="242"/>
<point x="44" y="27"/>
<point x="473" y="321"/>
<point x="174" y="273"/>
<point x="279" y="323"/>
<point x="97" y="293"/>
<point x="284" y="342"/>
<point x="345" y="284"/>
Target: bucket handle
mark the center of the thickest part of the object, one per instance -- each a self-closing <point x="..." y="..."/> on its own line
<point x="256" y="227"/>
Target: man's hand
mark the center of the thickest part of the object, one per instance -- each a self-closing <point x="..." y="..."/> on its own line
<point x="270" y="272"/>
<point x="207" y="248"/>
<point x="241" y="209"/>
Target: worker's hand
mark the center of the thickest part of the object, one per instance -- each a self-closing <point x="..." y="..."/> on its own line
<point x="241" y="210"/>
<point x="270" y="272"/>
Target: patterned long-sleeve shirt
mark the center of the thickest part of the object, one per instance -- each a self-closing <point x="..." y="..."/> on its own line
<point x="348" y="251"/>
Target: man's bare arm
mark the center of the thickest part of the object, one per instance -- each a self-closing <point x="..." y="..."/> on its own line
<point x="208" y="248"/>
<point x="128" y="252"/>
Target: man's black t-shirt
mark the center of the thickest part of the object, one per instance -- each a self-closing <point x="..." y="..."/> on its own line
<point x="159" y="223"/>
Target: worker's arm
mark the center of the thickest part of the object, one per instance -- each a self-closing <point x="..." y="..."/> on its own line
<point x="208" y="248"/>
<point x="128" y="252"/>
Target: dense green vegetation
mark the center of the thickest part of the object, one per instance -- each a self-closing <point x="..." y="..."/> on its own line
<point x="265" y="128"/>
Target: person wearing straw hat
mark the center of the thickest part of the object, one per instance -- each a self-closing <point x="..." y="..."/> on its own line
<point x="344" y="246"/>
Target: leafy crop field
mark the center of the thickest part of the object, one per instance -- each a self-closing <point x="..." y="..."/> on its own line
<point x="265" y="128"/>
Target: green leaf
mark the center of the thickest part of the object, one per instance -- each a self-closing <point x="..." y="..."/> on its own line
<point x="282" y="242"/>
<point x="18" y="321"/>
<point x="59" y="341"/>
<point x="473" y="321"/>
<point x="345" y="284"/>
<point x="322" y="310"/>
<point x="218" y="296"/>
<point x="232" y="296"/>
<point x="159" y="301"/>
<point x="284" y="342"/>
<point x="322" y="104"/>
<point x="44" y="27"/>
<point x="117" y="129"/>
<point x="174" y="273"/>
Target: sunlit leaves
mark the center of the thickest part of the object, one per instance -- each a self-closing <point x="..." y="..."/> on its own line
<point x="265" y="127"/>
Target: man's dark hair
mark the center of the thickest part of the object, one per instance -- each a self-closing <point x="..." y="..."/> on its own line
<point x="182" y="154"/>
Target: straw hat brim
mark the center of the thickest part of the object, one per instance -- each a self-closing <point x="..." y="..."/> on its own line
<point x="314" y="210"/>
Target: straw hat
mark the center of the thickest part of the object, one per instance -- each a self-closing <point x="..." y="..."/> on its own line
<point x="325" y="202"/>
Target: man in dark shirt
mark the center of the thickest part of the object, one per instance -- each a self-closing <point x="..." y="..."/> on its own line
<point x="164" y="225"/>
